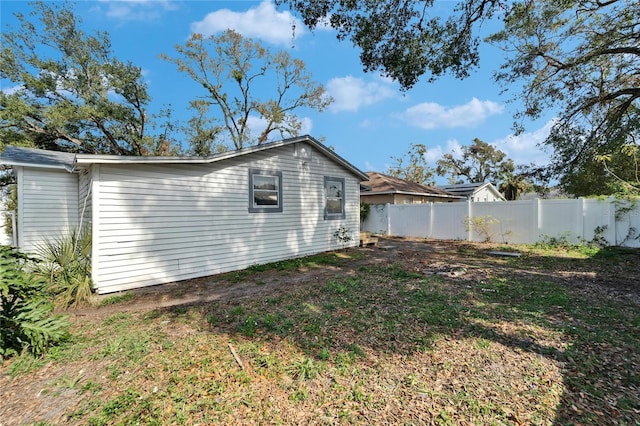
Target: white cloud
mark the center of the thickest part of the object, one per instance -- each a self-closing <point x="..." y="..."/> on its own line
<point x="433" y="154"/>
<point x="307" y="125"/>
<point x="524" y="149"/>
<point x="366" y="123"/>
<point x="11" y="90"/>
<point x="138" y="10"/>
<point x="257" y="125"/>
<point x="263" y="22"/>
<point x="368" y="165"/>
<point x="429" y="115"/>
<point x="350" y="93"/>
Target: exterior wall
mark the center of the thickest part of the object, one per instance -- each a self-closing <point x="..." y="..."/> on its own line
<point x="485" y="194"/>
<point x="378" y="199"/>
<point x="404" y="199"/>
<point x="47" y="205"/>
<point x="154" y="224"/>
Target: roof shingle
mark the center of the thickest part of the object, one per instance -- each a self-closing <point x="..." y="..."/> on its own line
<point x="381" y="183"/>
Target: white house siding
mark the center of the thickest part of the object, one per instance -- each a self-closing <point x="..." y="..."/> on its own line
<point x="47" y="205"/>
<point x="160" y="223"/>
<point x="485" y="194"/>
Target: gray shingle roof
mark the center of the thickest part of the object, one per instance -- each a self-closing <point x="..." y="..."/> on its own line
<point x="380" y="183"/>
<point x="468" y="189"/>
<point x="16" y="156"/>
<point x="19" y="156"/>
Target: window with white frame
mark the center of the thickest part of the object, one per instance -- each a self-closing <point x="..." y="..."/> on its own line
<point x="265" y="191"/>
<point x="334" y="198"/>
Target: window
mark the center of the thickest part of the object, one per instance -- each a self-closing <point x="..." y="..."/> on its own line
<point x="334" y="198"/>
<point x="265" y="191"/>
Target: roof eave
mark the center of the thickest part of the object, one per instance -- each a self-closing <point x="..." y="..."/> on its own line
<point x="69" y="169"/>
<point x="421" y="194"/>
<point x="111" y="159"/>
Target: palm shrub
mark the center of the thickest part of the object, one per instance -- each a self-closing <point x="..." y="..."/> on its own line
<point x="27" y="321"/>
<point x="10" y="205"/>
<point x="65" y="265"/>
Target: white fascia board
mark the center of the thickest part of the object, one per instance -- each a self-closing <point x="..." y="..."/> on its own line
<point x="37" y="166"/>
<point x="115" y="159"/>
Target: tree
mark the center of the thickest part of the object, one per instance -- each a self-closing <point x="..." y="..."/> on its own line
<point x="630" y="182"/>
<point x="526" y="178"/>
<point x="512" y="185"/>
<point x="229" y="67"/>
<point x="70" y="92"/>
<point x="201" y="132"/>
<point x="609" y="168"/>
<point x="399" y="37"/>
<point x="480" y="162"/>
<point x="581" y="57"/>
<point x="416" y="169"/>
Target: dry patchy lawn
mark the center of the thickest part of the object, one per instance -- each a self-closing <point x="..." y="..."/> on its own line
<point x="409" y="332"/>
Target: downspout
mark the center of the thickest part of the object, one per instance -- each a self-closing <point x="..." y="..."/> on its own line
<point x="84" y="206"/>
<point x="14" y="230"/>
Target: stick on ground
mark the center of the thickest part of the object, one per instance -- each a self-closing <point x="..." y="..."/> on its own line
<point x="235" y="355"/>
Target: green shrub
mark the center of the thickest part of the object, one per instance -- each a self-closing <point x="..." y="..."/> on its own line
<point x="364" y="211"/>
<point x="10" y="205"/>
<point x="26" y="316"/>
<point x="65" y="265"/>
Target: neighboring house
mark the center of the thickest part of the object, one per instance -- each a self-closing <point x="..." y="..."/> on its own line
<point x="385" y="189"/>
<point x="161" y="219"/>
<point x="483" y="191"/>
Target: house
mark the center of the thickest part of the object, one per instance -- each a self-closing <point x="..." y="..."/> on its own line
<point x="481" y="191"/>
<point x="384" y="189"/>
<point x="162" y="219"/>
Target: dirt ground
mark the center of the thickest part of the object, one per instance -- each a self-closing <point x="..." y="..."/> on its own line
<point x="206" y="289"/>
<point x="454" y="259"/>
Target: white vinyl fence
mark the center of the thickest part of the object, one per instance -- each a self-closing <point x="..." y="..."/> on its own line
<point x="520" y="222"/>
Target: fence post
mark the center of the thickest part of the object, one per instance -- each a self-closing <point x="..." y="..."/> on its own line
<point x="469" y="221"/>
<point x="388" y="208"/>
<point x="612" y="238"/>
<point x="431" y="219"/>
<point x="535" y="223"/>
<point x="14" y="229"/>
<point x="580" y="220"/>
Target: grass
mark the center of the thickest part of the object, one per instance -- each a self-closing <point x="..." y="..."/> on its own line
<point x="290" y="265"/>
<point x="382" y="343"/>
<point x="114" y="300"/>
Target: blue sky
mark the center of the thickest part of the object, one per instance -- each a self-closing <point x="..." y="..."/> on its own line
<point x="370" y="121"/>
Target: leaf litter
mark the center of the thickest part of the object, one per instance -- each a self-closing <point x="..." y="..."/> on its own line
<point x="427" y="332"/>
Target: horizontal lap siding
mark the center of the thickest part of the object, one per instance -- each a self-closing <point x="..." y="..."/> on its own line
<point x="48" y="206"/>
<point x="162" y="223"/>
